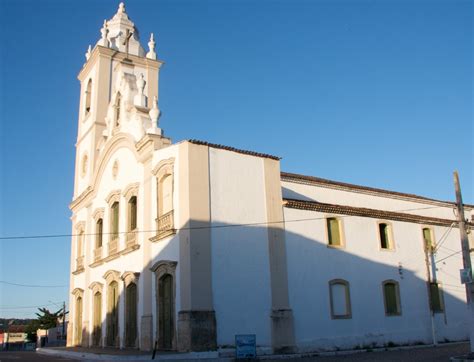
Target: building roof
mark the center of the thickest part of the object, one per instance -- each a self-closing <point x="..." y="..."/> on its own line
<point x="365" y="212"/>
<point x="312" y="180"/>
<point x="232" y="149"/>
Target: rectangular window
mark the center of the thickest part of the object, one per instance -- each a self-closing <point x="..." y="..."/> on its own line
<point x="385" y="233"/>
<point x="428" y="239"/>
<point x="436" y="298"/>
<point x="334" y="231"/>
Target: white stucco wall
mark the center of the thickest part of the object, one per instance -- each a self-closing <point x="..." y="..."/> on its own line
<point x="240" y="262"/>
<point x="361" y="262"/>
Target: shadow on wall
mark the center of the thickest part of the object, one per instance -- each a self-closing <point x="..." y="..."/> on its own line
<point x="339" y="300"/>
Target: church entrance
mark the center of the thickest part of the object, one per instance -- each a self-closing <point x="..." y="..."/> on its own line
<point x="166" y="311"/>
<point x="112" y="315"/>
<point x="78" y="331"/>
<point x="131" y="315"/>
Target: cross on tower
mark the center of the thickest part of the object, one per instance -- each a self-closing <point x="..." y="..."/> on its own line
<point x="126" y="41"/>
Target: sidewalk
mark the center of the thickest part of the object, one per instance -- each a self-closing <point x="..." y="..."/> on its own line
<point x="430" y="353"/>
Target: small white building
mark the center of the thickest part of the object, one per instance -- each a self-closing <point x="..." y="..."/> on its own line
<point x="190" y="243"/>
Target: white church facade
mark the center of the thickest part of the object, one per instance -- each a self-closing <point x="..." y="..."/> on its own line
<point x="188" y="244"/>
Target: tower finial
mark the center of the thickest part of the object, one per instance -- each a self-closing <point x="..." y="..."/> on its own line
<point x="154" y="116"/>
<point x="88" y="53"/>
<point x="103" y="32"/>
<point x="121" y="8"/>
<point x="151" y="45"/>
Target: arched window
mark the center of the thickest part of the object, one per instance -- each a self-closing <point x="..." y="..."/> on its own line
<point x="88" y="97"/>
<point x="112" y="313"/>
<point x="165" y="198"/>
<point x="80" y="250"/>
<point x="114" y="221"/>
<point x="97" y="331"/>
<point x="99" y="228"/>
<point x="391" y="296"/>
<point x="118" y="100"/>
<point x="340" y="299"/>
<point x="132" y="213"/>
<point x="165" y="220"/>
<point x="385" y="236"/>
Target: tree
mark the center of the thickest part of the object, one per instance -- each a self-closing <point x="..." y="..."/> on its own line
<point x="46" y="319"/>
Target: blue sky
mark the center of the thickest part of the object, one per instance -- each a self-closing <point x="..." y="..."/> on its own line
<point x="377" y="93"/>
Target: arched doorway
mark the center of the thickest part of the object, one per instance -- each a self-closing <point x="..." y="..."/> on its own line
<point x="165" y="312"/>
<point x="165" y="278"/>
<point x="131" y="315"/>
<point x="78" y="322"/>
<point x="112" y="314"/>
<point x="97" y="331"/>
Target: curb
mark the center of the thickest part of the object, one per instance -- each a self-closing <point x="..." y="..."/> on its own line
<point x="228" y="356"/>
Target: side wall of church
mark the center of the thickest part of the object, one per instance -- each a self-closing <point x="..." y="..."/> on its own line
<point x="240" y="259"/>
<point x="364" y="265"/>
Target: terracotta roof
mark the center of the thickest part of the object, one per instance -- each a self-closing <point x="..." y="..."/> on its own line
<point x="364" y="212"/>
<point x="312" y="180"/>
<point x="232" y="149"/>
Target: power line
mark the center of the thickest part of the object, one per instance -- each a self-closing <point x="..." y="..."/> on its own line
<point x="449" y="256"/>
<point x="50" y="236"/>
<point x="26" y="307"/>
<point x="33" y="285"/>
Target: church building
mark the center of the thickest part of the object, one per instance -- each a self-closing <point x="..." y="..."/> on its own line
<point x="185" y="245"/>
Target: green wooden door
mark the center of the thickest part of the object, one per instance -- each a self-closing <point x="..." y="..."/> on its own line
<point x="131" y="315"/>
<point x="166" y="312"/>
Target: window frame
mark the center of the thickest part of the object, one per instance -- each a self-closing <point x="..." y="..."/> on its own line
<point x="342" y="239"/>
<point x="433" y="242"/>
<point x="440" y="291"/>
<point x="347" y="290"/>
<point x="391" y="239"/>
<point x="397" y="298"/>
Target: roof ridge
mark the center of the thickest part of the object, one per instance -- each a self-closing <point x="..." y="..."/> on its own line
<point x="295" y="176"/>
<point x="233" y="149"/>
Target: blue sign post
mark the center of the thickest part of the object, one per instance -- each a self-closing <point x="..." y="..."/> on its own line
<point x="245" y="346"/>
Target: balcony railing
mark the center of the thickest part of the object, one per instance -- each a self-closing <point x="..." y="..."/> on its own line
<point x="97" y="253"/>
<point x="113" y="245"/>
<point x="131" y="238"/>
<point x="165" y="225"/>
<point x="80" y="263"/>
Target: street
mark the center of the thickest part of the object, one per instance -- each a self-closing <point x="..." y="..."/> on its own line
<point x="29" y="356"/>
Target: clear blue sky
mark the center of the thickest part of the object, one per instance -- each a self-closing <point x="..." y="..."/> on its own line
<point x="377" y="93"/>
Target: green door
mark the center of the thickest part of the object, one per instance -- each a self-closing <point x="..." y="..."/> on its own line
<point x="166" y="312"/>
<point x="131" y="315"/>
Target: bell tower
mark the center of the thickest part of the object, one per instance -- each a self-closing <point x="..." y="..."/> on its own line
<point x="119" y="93"/>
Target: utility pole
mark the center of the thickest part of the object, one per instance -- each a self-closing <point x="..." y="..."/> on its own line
<point x="466" y="257"/>
<point x="64" y="319"/>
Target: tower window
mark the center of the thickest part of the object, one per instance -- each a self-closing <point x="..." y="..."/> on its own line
<point x="117" y="109"/>
<point x="88" y="97"/>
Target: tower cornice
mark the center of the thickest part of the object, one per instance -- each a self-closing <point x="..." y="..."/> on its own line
<point x="108" y="53"/>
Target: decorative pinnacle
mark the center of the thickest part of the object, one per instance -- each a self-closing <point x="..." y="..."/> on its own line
<point x="151" y="45"/>
<point x="121" y="8"/>
<point x="88" y="54"/>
